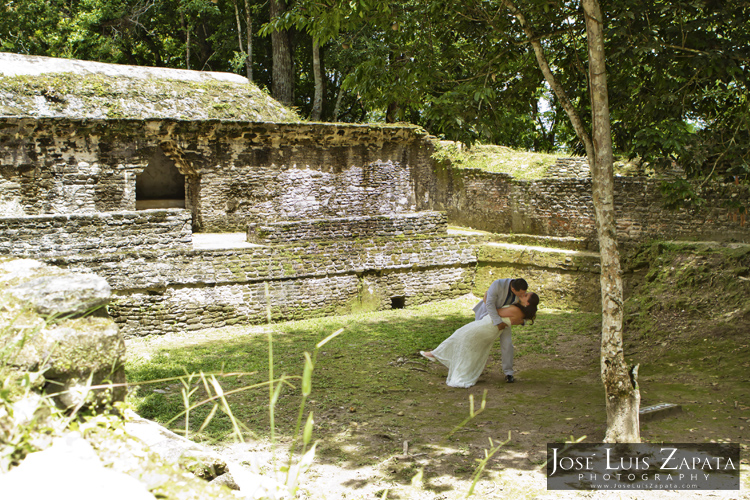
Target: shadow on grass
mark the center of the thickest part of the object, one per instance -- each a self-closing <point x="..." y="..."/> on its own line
<point x="374" y="396"/>
<point x="373" y="392"/>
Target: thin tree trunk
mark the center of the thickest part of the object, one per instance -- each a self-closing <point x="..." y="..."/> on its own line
<point x="541" y="60"/>
<point x="239" y="25"/>
<point x="282" y="86"/>
<point x="186" y="27"/>
<point x="317" y="109"/>
<point x="249" y="60"/>
<point x="339" y="97"/>
<point x="620" y="383"/>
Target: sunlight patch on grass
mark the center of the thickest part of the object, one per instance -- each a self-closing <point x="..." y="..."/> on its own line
<point x="523" y="165"/>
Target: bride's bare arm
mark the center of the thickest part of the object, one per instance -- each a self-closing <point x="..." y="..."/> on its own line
<point x="514" y="314"/>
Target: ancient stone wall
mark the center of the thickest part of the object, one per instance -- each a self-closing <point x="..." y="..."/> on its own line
<point x="564" y="206"/>
<point x="166" y="291"/>
<point x="238" y="173"/>
<point x="235" y="172"/>
<point x="47" y="235"/>
<point x="341" y="228"/>
<point x="564" y="279"/>
<point x="482" y="198"/>
<point x="574" y="166"/>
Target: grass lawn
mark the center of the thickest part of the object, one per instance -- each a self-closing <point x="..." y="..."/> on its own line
<point x="373" y="395"/>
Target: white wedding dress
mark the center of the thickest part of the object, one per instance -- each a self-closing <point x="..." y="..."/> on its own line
<point x="465" y="352"/>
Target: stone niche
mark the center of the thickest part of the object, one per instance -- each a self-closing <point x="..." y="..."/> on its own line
<point x="160" y="184"/>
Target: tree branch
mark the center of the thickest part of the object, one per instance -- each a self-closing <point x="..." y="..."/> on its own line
<point x="541" y="59"/>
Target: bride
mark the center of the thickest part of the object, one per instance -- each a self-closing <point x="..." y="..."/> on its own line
<point x="466" y="351"/>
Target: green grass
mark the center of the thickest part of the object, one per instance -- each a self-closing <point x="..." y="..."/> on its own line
<point x="550" y="327"/>
<point x="371" y="391"/>
<point x="355" y="362"/>
<point x="372" y="368"/>
<point x="373" y="375"/>
<point x="523" y="165"/>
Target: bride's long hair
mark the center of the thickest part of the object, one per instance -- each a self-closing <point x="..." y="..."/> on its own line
<point x="529" y="312"/>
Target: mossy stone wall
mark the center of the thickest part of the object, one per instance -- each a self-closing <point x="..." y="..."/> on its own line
<point x="45" y="235"/>
<point x="165" y="291"/>
<point x="235" y="172"/>
<point x="563" y="206"/>
<point x="564" y="279"/>
<point x="343" y="228"/>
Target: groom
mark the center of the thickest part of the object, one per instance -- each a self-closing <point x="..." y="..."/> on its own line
<point x="501" y="293"/>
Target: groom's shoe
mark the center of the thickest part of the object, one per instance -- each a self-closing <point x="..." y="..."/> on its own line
<point x="509" y="379"/>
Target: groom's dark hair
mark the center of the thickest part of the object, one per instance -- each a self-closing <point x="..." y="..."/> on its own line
<point x="519" y="284"/>
<point x="529" y="312"/>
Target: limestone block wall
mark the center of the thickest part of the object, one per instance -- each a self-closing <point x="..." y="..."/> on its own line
<point x="642" y="215"/>
<point x="562" y="278"/>
<point x="337" y="228"/>
<point x="470" y="197"/>
<point x="235" y="172"/>
<point x="575" y="166"/>
<point x="167" y="291"/>
<point x="288" y="172"/>
<point x="563" y="207"/>
<point x="48" y="235"/>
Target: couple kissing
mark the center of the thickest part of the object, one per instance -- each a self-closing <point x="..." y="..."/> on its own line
<point x="506" y="303"/>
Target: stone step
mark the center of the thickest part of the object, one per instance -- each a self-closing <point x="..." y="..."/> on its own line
<point x="569" y="243"/>
<point x="659" y="411"/>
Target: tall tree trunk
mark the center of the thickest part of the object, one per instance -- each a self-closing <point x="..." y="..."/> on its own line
<point x="248" y="21"/>
<point x="317" y="109"/>
<point x="249" y="59"/>
<point x="239" y="25"/>
<point x="393" y="112"/>
<point x="337" y="107"/>
<point x="186" y="27"/>
<point x="620" y="383"/>
<point x="282" y="86"/>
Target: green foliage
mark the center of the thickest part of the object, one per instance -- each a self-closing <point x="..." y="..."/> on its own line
<point x="463" y="70"/>
<point x="684" y="96"/>
<point x="27" y="420"/>
<point x="679" y="193"/>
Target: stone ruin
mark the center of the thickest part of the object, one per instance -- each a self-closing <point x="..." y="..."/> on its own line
<point x="131" y="173"/>
<point x="183" y="201"/>
<point x="330" y="212"/>
<point x="114" y="228"/>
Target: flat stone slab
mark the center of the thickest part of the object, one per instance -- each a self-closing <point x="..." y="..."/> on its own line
<point x="219" y="241"/>
<point x="659" y="411"/>
<point x="20" y="64"/>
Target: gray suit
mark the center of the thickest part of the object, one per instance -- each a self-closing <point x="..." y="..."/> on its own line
<point x="497" y="297"/>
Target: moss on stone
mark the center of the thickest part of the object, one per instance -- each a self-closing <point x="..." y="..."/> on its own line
<point x="93" y="95"/>
<point x="499" y="159"/>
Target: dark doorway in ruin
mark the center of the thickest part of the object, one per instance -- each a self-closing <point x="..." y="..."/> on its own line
<point x="398" y="302"/>
<point x="160" y="185"/>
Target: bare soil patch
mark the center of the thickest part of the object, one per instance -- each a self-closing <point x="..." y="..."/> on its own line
<point x="382" y="415"/>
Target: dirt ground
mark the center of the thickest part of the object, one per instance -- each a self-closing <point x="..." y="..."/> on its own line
<point x="392" y="436"/>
